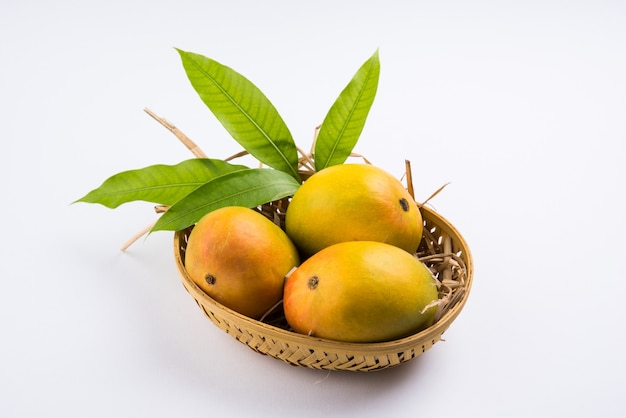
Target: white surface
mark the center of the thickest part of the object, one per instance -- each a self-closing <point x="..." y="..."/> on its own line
<point x="520" y="105"/>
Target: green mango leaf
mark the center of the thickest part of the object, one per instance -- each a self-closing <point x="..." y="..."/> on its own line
<point x="345" y="120"/>
<point x="161" y="184"/>
<point x="249" y="188"/>
<point x="245" y="112"/>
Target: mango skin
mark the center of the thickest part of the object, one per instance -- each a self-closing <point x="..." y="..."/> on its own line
<point x="240" y="259"/>
<point x="360" y="292"/>
<point x="352" y="202"/>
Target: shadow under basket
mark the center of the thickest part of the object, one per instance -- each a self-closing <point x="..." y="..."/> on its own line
<point x="442" y="249"/>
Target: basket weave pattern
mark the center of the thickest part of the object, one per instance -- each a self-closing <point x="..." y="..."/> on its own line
<point x="442" y="249"/>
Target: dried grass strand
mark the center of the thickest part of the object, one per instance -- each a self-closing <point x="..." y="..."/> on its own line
<point x="409" y="178"/>
<point x="195" y="150"/>
<point x="144" y="231"/>
<point x="433" y="195"/>
<point x="136" y="237"/>
<point x="237" y="155"/>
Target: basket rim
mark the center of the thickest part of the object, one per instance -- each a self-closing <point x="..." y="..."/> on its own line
<point x="431" y="333"/>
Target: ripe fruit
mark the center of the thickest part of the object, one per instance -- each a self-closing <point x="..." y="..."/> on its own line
<point x="352" y="202"/>
<point x="240" y="258"/>
<point x="360" y="291"/>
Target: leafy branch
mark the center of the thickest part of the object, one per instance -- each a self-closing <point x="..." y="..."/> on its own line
<point x="186" y="191"/>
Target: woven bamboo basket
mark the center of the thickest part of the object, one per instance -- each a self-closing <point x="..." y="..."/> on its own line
<point x="443" y="250"/>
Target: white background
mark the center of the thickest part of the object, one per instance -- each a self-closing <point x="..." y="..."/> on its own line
<point x="521" y="106"/>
